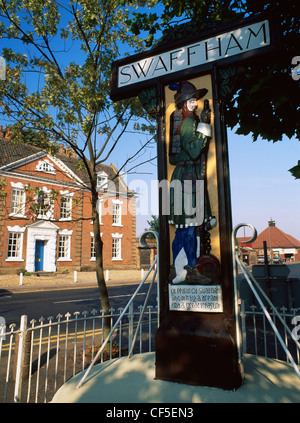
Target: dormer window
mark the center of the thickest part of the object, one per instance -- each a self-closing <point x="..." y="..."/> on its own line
<point x="45" y="166"/>
<point x="102" y="181"/>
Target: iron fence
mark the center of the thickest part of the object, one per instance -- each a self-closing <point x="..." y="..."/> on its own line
<point x="40" y="356"/>
<point x="258" y="336"/>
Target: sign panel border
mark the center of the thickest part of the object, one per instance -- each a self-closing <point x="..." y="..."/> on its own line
<point x="131" y="90"/>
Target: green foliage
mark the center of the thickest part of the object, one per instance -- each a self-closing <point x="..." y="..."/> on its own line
<point x="264" y="99"/>
<point x="58" y="58"/>
<point x="39" y="138"/>
<point x="295" y="171"/>
<point x="153" y="224"/>
<point x="3" y="192"/>
<point x="68" y="48"/>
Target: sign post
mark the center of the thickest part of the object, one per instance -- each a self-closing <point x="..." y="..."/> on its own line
<point x="196" y="342"/>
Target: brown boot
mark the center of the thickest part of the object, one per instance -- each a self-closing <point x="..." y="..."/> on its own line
<point x="172" y="273"/>
<point x="196" y="278"/>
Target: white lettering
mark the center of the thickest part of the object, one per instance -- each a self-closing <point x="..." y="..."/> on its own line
<point x="142" y="68"/>
<point x="296" y="70"/>
<point x="190" y="52"/>
<point x="160" y="60"/>
<point x="126" y="74"/>
<point x="229" y="44"/>
<point x="171" y="412"/>
<point x="115" y="412"/>
<point x="252" y="32"/>
<point x="237" y="44"/>
<point x="296" y="330"/>
<point x="210" y="48"/>
<point x="2" y="329"/>
<point x="205" y="298"/>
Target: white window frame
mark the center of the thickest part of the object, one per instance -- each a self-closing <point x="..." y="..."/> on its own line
<point x="17" y="208"/>
<point x="100" y="205"/>
<point x="65" y="236"/>
<point x="49" y="213"/>
<point x="68" y="212"/>
<point x="102" y="181"/>
<point x="117" y="213"/>
<point x="18" y="233"/>
<point x="117" y="247"/>
<point x="93" y="257"/>
<point x="99" y="209"/>
<point x="45" y="166"/>
<point x="93" y="251"/>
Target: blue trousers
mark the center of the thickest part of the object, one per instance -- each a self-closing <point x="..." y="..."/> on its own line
<point x="186" y="238"/>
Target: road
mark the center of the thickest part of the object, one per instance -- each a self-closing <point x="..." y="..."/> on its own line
<point x="69" y="347"/>
<point x="54" y="302"/>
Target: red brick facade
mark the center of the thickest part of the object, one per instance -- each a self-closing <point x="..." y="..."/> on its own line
<point x="279" y="245"/>
<point x="59" y="237"/>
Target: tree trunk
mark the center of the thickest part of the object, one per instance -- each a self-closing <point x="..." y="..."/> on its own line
<point x="104" y="298"/>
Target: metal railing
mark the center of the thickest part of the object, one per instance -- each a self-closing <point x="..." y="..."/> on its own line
<point x="262" y="298"/>
<point x="37" y="359"/>
<point x="154" y="267"/>
<point x="260" y="339"/>
<point x="40" y="356"/>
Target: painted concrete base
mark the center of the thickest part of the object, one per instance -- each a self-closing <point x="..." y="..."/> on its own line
<point x="132" y="380"/>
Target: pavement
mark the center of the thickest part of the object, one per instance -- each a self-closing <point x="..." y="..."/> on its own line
<point x="11" y="283"/>
<point x="48" y="287"/>
<point x="132" y="380"/>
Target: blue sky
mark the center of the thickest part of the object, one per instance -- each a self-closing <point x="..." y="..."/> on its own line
<point x="261" y="185"/>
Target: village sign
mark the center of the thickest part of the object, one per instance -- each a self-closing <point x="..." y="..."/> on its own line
<point x="179" y="82"/>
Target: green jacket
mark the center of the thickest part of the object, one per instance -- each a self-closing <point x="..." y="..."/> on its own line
<point x="190" y="165"/>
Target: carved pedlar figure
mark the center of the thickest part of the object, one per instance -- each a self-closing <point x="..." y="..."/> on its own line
<point x="190" y="209"/>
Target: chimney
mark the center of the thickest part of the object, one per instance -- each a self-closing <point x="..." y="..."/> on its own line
<point x="7" y="133"/>
<point x="70" y="152"/>
<point x="1" y="131"/>
<point x="62" y="149"/>
<point x="271" y="223"/>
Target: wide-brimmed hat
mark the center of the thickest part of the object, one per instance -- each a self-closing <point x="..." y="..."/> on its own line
<point x="186" y="90"/>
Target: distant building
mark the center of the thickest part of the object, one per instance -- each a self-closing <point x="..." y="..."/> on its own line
<point x="248" y="254"/>
<point x="46" y="214"/>
<point x="279" y="244"/>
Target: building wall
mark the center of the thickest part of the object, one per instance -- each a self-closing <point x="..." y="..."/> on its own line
<point x="125" y="231"/>
<point x="79" y="228"/>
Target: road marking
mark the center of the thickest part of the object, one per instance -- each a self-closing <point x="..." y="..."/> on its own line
<point x="126" y="295"/>
<point x="63" y="337"/>
<point x="74" y="301"/>
<point x="93" y="299"/>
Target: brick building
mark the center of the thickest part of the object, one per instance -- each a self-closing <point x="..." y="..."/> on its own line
<point x="45" y="213"/>
<point x="279" y="246"/>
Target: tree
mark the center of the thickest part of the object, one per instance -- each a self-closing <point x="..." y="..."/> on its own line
<point x="264" y="97"/>
<point x="153" y="225"/>
<point x="58" y="60"/>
